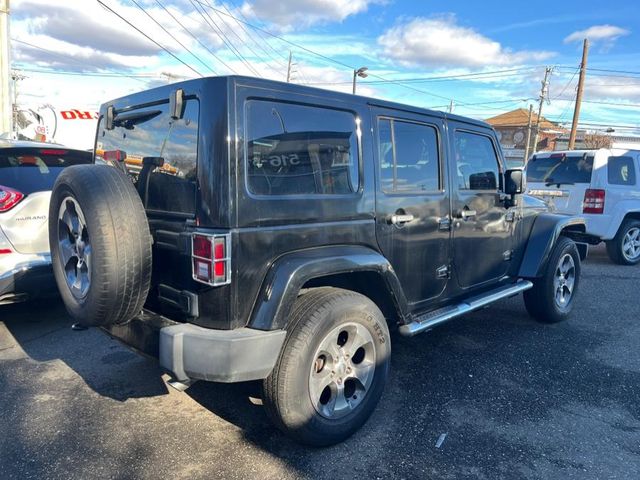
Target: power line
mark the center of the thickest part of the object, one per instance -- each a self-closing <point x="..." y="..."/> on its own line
<point x="89" y="74"/>
<point x="222" y="35"/>
<point x="195" y="38"/>
<point x="242" y="42"/>
<point x="69" y="57"/>
<point x="319" y="55"/>
<point x="173" y="36"/>
<point x="636" y="105"/>
<point x="473" y="76"/>
<point x="252" y="38"/>
<point x="149" y="38"/>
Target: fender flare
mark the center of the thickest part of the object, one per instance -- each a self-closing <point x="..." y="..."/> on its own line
<point x="288" y="274"/>
<point x="546" y="230"/>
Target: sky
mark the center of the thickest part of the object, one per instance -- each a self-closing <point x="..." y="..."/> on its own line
<point x="486" y="57"/>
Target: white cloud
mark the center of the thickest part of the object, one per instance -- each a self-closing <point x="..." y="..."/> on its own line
<point x="91" y="34"/>
<point x="441" y="41"/>
<point x="598" y="33"/>
<point x="296" y="14"/>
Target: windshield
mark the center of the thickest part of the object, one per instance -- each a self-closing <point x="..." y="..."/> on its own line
<point x="560" y="168"/>
<point x="31" y="170"/>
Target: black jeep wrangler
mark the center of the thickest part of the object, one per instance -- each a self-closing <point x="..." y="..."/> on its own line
<point x="256" y="230"/>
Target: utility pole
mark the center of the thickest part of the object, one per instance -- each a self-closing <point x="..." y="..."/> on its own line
<point x="289" y="67"/>
<point x="16" y="76"/>
<point x="6" y="110"/>
<point x="576" y="110"/>
<point x="544" y="91"/>
<point x="527" y="144"/>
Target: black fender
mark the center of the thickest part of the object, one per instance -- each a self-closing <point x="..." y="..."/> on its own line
<point x="546" y="229"/>
<point x="289" y="273"/>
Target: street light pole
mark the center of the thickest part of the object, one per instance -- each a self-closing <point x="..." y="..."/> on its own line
<point x="359" y="73"/>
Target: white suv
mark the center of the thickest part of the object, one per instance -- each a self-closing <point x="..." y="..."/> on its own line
<point x="602" y="185"/>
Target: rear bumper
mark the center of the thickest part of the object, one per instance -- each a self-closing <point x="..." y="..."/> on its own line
<point x="189" y="352"/>
<point x="22" y="279"/>
<point x="192" y="352"/>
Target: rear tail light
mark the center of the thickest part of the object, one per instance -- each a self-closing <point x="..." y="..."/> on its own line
<point x="211" y="260"/>
<point x="5" y="251"/>
<point x="9" y="198"/>
<point x="115" y="155"/>
<point x="593" y="201"/>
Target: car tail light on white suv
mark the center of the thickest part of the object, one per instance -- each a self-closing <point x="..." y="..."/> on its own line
<point x="9" y="198"/>
<point x="593" y="201"/>
<point x="210" y="258"/>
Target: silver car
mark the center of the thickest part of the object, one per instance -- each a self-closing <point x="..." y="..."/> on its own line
<point x="28" y="171"/>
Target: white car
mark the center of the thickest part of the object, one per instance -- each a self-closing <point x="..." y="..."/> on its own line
<point x="28" y="171"/>
<point x="602" y="186"/>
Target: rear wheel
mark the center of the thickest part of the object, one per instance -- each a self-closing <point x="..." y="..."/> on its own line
<point x="100" y="245"/>
<point x="332" y="369"/>
<point x="624" y="248"/>
<point x="552" y="297"/>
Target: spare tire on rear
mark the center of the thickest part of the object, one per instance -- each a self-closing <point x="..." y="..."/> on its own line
<point x="100" y="245"/>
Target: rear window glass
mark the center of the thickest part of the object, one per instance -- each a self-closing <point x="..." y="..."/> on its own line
<point x="300" y="150"/>
<point x="621" y="171"/>
<point x="31" y="170"/>
<point x="560" y="169"/>
<point x="161" y="154"/>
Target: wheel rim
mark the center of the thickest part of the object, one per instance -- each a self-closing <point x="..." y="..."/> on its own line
<point x="564" y="280"/>
<point x="631" y="244"/>
<point x="74" y="247"/>
<point x="342" y="371"/>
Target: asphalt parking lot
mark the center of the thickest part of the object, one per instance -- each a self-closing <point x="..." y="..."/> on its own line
<point x="506" y="397"/>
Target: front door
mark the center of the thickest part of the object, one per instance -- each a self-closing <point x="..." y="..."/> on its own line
<point x="412" y="206"/>
<point x="482" y="226"/>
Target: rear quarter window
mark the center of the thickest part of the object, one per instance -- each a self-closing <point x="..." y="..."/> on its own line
<point x="300" y="150"/>
<point x="621" y="170"/>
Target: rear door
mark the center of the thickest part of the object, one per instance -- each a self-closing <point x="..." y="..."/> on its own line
<point x="29" y="173"/>
<point x="412" y="203"/>
<point x="560" y="179"/>
<point x="483" y="228"/>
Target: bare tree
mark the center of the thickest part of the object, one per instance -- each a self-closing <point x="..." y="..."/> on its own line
<point x="597" y="140"/>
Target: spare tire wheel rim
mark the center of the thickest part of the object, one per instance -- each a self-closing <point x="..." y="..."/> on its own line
<point x="564" y="281"/>
<point x="74" y="247"/>
<point x="342" y="370"/>
<point x="631" y="244"/>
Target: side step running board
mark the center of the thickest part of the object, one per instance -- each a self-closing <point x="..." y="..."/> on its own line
<point x="431" y="319"/>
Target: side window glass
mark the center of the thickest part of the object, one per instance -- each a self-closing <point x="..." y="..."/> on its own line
<point x="621" y="171"/>
<point x="300" y="150"/>
<point x="409" y="161"/>
<point x="476" y="162"/>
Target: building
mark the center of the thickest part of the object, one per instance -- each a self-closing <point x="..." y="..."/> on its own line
<point x="511" y="128"/>
<point x="625" y="142"/>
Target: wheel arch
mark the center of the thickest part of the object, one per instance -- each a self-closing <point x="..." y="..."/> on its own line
<point x="546" y="230"/>
<point x="355" y="268"/>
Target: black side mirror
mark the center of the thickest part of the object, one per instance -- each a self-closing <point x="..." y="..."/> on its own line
<point x="514" y="182"/>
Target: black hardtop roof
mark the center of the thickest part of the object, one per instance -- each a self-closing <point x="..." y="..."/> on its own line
<point x="163" y="91"/>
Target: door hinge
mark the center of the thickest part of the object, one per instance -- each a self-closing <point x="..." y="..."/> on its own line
<point x="443" y="272"/>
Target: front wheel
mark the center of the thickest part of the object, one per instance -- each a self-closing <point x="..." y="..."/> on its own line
<point x="332" y="369"/>
<point x="552" y="297"/>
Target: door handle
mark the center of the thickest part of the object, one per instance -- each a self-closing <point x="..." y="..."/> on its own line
<point x="466" y="214"/>
<point x="397" y="219"/>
